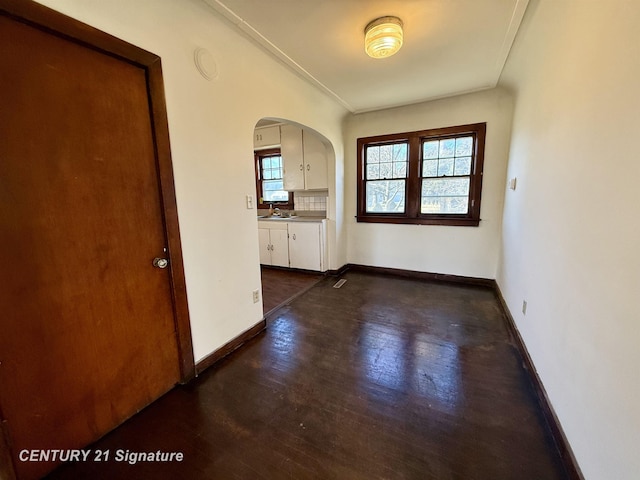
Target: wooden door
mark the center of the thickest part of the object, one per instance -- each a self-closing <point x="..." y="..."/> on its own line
<point x="88" y="332"/>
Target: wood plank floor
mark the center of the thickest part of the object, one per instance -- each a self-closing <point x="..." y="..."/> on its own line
<point x="279" y="285"/>
<point x="384" y="378"/>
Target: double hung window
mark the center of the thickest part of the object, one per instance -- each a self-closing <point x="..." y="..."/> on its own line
<point x="269" y="179"/>
<point x="425" y="177"/>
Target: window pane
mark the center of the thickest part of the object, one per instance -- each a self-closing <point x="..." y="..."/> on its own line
<point x="445" y="195"/>
<point x="386" y="170"/>
<point x="463" y="166"/>
<point x="430" y="149"/>
<point x="447" y="148"/>
<point x="445" y="205"/>
<point x="373" y="154"/>
<point x="443" y="187"/>
<point x="272" y="185"/>
<point x="275" y="196"/>
<point x="430" y="168"/>
<point x="271" y="167"/>
<point x="464" y="146"/>
<point x="386" y="153"/>
<point x="400" y="152"/>
<point x="399" y="169"/>
<point x="385" y="196"/>
<point x="445" y="167"/>
<point x="272" y="191"/>
<point x="387" y="161"/>
<point x="373" y="172"/>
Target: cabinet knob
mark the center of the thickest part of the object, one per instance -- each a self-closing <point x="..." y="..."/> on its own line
<point x="294" y="236"/>
<point x="308" y="167"/>
<point x="301" y="167"/>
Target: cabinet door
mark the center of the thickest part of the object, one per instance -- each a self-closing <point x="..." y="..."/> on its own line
<point x="304" y="245"/>
<point x="279" y="248"/>
<point x="266" y="137"/>
<point x="265" y="246"/>
<point x="315" y="162"/>
<point x="292" y="157"/>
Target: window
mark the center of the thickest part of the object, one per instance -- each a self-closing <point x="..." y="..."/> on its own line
<point x="269" y="179"/>
<point x="428" y="177"/>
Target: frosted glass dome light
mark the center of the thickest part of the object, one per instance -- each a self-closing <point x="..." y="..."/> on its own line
<point x="383" y="37"/>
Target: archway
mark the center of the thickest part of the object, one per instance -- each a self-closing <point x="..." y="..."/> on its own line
<point x="293" y="198"/>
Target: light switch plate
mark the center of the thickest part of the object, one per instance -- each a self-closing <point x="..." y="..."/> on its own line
<point x="249" y="202"/>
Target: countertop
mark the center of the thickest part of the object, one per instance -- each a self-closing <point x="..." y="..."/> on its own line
<point x="290" y="219"/>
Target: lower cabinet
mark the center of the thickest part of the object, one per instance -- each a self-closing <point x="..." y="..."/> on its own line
<point x="305" y="246"/>
<point x="299" y="245"/>
<point x="274" y="245"/>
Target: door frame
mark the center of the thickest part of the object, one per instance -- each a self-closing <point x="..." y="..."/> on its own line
<point x="53" y="22"/>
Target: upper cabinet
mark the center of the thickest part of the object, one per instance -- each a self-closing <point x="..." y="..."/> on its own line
<point x="266" y="137"/>
<point x="304" y="158"/>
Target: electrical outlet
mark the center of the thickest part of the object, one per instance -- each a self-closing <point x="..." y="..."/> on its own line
<point x="524" y="307"/>
<point x="256" y="296"/>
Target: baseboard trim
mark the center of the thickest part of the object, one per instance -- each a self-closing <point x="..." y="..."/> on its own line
<point x="229" y="347"/>
<point x="439" y="277"/>
<point x="562" y="444"/>
<point x="340" y="271"/>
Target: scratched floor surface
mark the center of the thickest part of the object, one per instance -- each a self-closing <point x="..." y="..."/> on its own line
<point x="384" y="378"/>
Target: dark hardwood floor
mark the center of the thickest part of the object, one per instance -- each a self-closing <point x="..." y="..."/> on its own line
<point x="384" y="378"/>
<point x="280" y="285"/>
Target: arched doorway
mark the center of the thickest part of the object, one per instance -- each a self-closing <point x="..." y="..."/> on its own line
<point x="291" y="166"/>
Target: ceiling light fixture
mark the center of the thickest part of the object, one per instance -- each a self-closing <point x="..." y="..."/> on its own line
<point x="383" y="37"/>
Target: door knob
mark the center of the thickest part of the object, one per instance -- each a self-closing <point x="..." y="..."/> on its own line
<point x="160" y="262"/>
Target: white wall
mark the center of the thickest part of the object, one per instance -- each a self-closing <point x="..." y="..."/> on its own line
<point x="211" y="128"/>
<point x="572" y="228"/>
<point x="467" y="251"/>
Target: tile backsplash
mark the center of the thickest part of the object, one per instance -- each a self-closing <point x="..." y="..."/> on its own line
<point x="310" y="201"/>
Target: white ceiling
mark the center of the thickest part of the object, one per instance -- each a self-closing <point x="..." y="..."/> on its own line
<point x="450" y="46"/>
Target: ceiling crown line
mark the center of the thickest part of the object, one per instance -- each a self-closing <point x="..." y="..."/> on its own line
<point x="250" y="32"/>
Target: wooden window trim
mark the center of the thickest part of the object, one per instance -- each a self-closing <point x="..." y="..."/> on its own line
<point x="258" y="154"/>
<point x="412" y="213"/>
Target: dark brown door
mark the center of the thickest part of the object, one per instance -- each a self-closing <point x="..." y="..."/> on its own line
<point x="88" y="329"/>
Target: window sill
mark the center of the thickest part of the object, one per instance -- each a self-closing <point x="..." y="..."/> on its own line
<point x="447" y="221"/>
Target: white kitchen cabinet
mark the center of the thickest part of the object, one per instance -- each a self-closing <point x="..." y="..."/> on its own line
<point x="307" y="246"/>
<point x="304" y="158"/>
<point x="296" y="243"/>
<point x="315" y="162"/>
<point x="266" y="137"/>
<point x="274" y="244"/>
